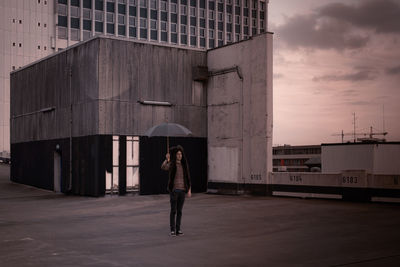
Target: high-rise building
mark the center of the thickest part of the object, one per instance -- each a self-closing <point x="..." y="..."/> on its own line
<point x="32" y="29"/>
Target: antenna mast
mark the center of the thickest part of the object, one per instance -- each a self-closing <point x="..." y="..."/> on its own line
<point x="354" y="124"/>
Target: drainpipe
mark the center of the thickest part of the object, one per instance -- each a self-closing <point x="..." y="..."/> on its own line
<point x="70" y="131"/>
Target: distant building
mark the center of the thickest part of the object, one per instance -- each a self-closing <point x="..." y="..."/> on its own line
<point x="373" y="158"/>
<point x="289" y="158"/>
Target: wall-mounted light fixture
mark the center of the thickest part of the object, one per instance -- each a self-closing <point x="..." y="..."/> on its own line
<point x="155" y="103"/>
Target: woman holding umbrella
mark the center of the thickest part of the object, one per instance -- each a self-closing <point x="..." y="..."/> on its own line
<point x="178" y="185"/>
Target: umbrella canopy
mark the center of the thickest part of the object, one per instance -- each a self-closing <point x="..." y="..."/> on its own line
<point x="168" y="129"/>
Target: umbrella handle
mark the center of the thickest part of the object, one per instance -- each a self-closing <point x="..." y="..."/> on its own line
<point x="167" y="144"/>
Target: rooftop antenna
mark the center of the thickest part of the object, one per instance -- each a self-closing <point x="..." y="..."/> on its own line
<point x="354" y="127"/>
<point x="383" y="119"/>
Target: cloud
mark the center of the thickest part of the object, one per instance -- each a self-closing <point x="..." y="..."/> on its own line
<point x="363" y="75"/>
<point x="393" y="71"/>
<point x="379" y="15"/>
<point x="310" y="31"/>
<point x="340" y="26"/>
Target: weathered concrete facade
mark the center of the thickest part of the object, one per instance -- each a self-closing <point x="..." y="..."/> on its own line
<point x="103" y="79"/>
<point x="78" y="99"/>
<point x="74" y="104"/>
<point x="240" y="115"/>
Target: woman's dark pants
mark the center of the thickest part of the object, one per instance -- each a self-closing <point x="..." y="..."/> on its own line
<point x="177" y="198"/>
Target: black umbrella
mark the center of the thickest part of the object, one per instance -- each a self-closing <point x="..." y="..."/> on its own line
<point x="168" y="129"/>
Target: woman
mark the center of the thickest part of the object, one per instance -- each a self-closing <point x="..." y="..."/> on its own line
<point x="178" y="185"/>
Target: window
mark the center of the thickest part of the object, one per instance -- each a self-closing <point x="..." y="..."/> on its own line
<point x="74" y="11"/>
<point x="202" y="13"/>
<point x="132" y="21"/>
<point x="183" y="29"/>
<point x="255" y="4"/>
<point x="121" y="19"/>
<point x="246" y="21"/>
<point x="13" y="44"/>
<point x="87" y="4"/>
<point x="153" y="4"/>
<point x="110" y="17"/>
<point x="220" y="16"/>
<point x="163" y="6"/>
<point x="62" y="10"/>
<point x="173" y="8"/>
<point x="143" y="23"/>
<point x="229" y="18"/>
<point x="237" y="19"/>
<point x="20" y="45"/>
<point x="211" y="14"/>
<point x="183" y="10"/>
<point x="98" y="4"/>
<point x="62" y="33"/>
<point x="143" y="3"/>
<point x="220" y="35"/>
<point x="237" y="37"/>
<point x="163" y="26"/>
<point x="132" y="2"/>
<point x="237" y="2"/>
<point x="87" y="13"/>
<point x="254" y="23"/>
<point x="202" y="32"/>
<point x="153" y="24"/>
<point x="193" y="31"/>
<point x="173" y="28"/>
<point x="228" y="37"/>
<point x="192" y="11"/>
<point x="99" y="15"/>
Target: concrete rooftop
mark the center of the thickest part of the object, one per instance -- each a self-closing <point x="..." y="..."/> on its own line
<point x="41" y="228"/>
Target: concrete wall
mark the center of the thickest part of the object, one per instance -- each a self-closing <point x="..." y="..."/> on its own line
<point x="239" y="101"/>
<point x="54" y="83"/>
<point x="130" y="72"/>
<point x="373" y="158"/>
<point x="347" y="185"/>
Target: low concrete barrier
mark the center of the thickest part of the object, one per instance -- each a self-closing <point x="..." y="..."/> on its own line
<point x="355" y="185"/>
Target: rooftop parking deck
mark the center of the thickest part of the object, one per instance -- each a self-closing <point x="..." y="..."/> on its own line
<point x="42" y="228"/>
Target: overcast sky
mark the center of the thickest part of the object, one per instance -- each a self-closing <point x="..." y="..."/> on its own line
<point x="333" y="58"/>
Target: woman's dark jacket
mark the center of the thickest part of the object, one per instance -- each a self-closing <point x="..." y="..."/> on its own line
<point x="172" y="169"/>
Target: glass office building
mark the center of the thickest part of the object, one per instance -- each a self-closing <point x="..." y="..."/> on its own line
<point x="202" y="24"/>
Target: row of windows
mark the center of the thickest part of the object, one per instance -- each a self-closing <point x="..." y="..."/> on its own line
<point x="20" y="45"/>
<point x="20" y="22"/>
<point x="122" y="9"/>
<point x="300" y="151"/>
<point x="185" y="39"/>
<point x="99" y="4"/>
<point x="63" y="21"/>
